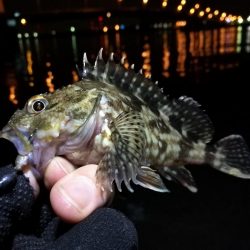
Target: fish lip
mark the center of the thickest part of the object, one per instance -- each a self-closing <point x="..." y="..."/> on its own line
<point x="21" y="140"/>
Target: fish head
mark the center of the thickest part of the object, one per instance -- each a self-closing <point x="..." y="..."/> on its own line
<point x="49" y="120"/>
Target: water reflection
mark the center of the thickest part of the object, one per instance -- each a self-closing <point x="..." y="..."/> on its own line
<point x="146" y="56"/>
<point x="183" y="52"/>
<point x="49" y="78"/>
<point x="248" y="39"/>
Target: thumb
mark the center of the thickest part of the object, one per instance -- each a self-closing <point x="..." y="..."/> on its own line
<point x="76" y="195"/>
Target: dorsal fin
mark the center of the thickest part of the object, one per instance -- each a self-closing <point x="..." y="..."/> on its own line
<point x="189" y="119"/>
<point x="126" y="79"/>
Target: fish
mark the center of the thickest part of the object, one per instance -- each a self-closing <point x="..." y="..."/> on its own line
<point x="123" y="122"/>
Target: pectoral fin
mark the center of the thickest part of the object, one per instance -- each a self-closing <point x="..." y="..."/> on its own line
<point x="121" y="163"/>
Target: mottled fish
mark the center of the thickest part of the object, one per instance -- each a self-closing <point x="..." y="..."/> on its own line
<point x="120" y="120"/>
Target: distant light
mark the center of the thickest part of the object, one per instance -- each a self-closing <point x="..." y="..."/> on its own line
<point x="119" y="1"/>
<point x="201" y="13"/>
<point x="11" y="22"/>
<point x="208" y="9"/>
<point x="183" y="2"/>
<point x="105" y="29"/>
<point x="108" y="14"/>
<point x="180" y="23"/>
<point x="164" y="4"/>
<point x="19" y="35"/>
<point x="228" y="20"/>
<point x="222" y="18"/>
<point x="122" y="27"/>
<point x="16" y="14"/>
<point x="117" y="27"/>
<point x="216" y="12"/>
<point x="100" y="19"/>
<point x="179" y="7"/>
<point x="223" y="14"/>
<point x="72" y="29"/>
<point x="210" y="15"/>
<point x="197" y="6"/>
<point x="240" y="19"/>
<point x="191" y="11"/>
<point x="165" y="25"/>
<point x="248" y="18"/>
<point x="35" y="34"/>
<point x="53" y="32"/>
<point x="137" y="26"/>
<point x="26" y="35"/>
<point x="144" y="1"/>
<point x="23" y="21"/>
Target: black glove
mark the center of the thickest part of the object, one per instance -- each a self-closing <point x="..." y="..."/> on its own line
<point x="26" y="223"/>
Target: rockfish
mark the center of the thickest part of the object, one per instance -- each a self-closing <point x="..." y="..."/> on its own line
<point x="120" y="120"/>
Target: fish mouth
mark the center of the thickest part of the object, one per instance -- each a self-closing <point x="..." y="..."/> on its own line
<point x="21" y="140"/>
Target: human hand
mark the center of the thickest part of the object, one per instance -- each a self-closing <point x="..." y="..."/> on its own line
<point x="73" y="192"/>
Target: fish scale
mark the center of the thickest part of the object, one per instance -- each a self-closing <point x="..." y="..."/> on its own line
<point x="122" y="121"/>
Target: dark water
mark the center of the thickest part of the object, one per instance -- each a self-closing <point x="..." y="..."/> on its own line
<point x="211" y="65"/>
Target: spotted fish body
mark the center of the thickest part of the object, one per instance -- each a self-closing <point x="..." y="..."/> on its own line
<point x="120" y="120"/>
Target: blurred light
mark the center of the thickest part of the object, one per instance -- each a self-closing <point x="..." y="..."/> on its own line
<point x="208" y="9"/>
<point x="240" y="19"/>
<point x="216" y="12"/>
<point x="191" y="11"/>
<point x="19" y="35"/>
<point x="164" y="4"/>
<point x="53" y="32"/>
<point x="12" y="95"/>
<point x="165" y="25"/>
<point x="144" y="1"/>
<point x="108" y="14"/>
<point x="75" y="76"/>
<point x="179" y="7"/>
<point x="180" y="23"/>
<point x="35" y="34"/>
<point x="26" y="35"/>
<point x="11" y="22"/>
<point x="117" y="27"/>
<point x="201" y="13"/>
<point x="248" y="18"/>
<point x="72" y="29"/>
<point x="122" y="27"/>
<point x="210" y="15"/>
<point x="222" y="18"/>
<point x="223" y="14"/>
<point x="119" y="1"/>
<point x="137" y="26"/>
<point x="16" y="14"/>
<point x="23" y="21"/>
<point x="183" y="2"/>
<point x="105" y="29"/>
<point x="49" y="82"/>
<point x="100" y="19"/>
<point x="197" y="6"/>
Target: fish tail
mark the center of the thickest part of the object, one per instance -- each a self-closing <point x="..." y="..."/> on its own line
<point x="232" y="156"/>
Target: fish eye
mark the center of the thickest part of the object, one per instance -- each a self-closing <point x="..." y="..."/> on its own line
<point x="36" y="104"/>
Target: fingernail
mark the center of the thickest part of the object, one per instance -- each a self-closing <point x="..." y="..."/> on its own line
<point x="77" y="194"/>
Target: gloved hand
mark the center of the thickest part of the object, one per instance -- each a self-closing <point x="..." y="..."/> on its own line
<point x="29" y="223"/>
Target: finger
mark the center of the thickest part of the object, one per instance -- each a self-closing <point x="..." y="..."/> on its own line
<point x="57" y="168"/>
<point x="76" y="195"/>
